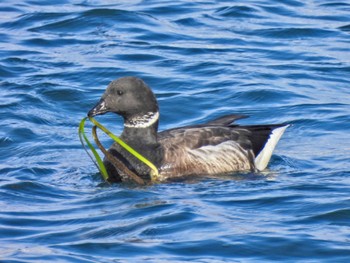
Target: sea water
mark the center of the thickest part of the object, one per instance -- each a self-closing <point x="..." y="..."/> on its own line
<point x="276" y="61"/>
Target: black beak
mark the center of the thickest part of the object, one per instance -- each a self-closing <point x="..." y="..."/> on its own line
<point x="100" y="108"/>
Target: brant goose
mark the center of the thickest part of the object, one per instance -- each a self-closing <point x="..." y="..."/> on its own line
<point x="216" y="147"/>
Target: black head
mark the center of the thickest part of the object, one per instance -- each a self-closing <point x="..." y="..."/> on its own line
<point x="129" y="97"/>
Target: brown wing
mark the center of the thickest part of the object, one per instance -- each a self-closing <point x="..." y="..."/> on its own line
<point x="205" y="150"/>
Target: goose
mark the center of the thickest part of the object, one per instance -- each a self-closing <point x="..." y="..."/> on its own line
<point x="219" y="146"/>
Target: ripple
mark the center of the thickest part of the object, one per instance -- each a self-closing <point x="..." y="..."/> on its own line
<point x="284" y="62"/>
<point x="294" y="33"/>
<point x="238" y="11"/>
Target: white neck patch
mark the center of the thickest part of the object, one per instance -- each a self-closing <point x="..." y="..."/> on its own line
<point x="143" y="121"/>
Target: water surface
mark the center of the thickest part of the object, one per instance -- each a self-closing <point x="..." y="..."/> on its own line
<point x="277" y="61"/>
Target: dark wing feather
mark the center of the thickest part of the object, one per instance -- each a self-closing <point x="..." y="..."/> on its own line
<point x="213" y="132"/>
<point x="196" y="137"/>
<point x="226" y="120"/>
<point x="248" y="137"/>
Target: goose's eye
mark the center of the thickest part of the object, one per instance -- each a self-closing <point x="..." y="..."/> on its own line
<point x="120" y="92"/>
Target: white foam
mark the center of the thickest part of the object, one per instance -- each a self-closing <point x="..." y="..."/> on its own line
<point x="263" y="158"/>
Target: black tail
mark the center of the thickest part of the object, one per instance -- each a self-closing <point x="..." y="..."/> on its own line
<point x="260" y="134"/>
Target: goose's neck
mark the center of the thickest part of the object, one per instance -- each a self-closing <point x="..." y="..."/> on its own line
<point x="141" y="128"/>
<point x="142" y="120"/>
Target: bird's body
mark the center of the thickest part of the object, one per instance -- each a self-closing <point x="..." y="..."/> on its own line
<point x="216" y="147"/>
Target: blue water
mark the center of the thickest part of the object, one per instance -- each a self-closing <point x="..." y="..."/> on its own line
<point x="278" y="61"/>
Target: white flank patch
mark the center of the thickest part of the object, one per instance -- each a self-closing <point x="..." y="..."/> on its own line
<point x="225" y="157"/>
<point x="143" y="121"/>
<point x="264" y="156"/>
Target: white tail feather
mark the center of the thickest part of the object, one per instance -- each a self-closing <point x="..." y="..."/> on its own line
<point x="263" y="158"/>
